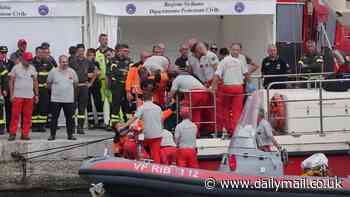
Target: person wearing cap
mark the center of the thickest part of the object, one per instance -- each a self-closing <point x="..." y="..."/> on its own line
<point x="168" y="148"/>
<point x="264" y="134"/>
<point x="4" y="100"/>
<point x="22" y="47"/>
<point x="185" y="138"/>
<point x="43" y="65"/>
<point x="24" y="91"/>
<point x="196" y="95"/>
<point x="85" y="70"/>
<point x="151" y="114"/>
<point x="233" y="74"/>
<point x="117" y="75"/>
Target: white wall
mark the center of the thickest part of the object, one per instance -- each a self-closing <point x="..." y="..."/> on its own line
<point x="60" y="32"/>
<point x="254" y="32"/>
<point x="143" y="32"/>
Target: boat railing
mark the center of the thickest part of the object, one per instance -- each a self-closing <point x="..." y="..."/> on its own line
<point x="321" y="100"/>
<point x="207" y="106"/>
<point x="211" y="105"/>
<point x="259" y="79"/>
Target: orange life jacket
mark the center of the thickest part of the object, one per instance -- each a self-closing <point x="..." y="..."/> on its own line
<point x="278" y="112"/>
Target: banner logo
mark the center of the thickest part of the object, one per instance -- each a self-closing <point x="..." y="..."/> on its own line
<point x="239" y="7"/>
<point x="43" y="10"/>
<point x="131" y="9"/>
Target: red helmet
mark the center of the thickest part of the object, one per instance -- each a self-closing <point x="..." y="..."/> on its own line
<point x="21" y="42"/>
<point x="28" y="56"/>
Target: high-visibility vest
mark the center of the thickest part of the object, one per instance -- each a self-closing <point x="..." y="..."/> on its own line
<point x="133" y="82"/>
<point x="101" y="60"/>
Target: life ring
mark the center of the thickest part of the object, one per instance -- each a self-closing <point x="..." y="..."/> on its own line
<point x="278" y="112"/>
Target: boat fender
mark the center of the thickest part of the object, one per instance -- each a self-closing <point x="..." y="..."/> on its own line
<point x="278" y="112"/>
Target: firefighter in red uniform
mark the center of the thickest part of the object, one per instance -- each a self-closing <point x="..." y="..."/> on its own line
<point x="185" y="138"/>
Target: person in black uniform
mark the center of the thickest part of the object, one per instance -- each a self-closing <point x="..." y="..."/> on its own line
<point x="4" y="99"/>
<point x="94" y="92"/>
<point x="274" y="65"/>
<point x="311" y="61"/>
<point x="72" y="52"/>
<point x="117" y="73"/>
<point x="46" y="46"/>
<point x="181" y="62"/>
<point x="43" y="65"/>
<point x="85" y="70"/>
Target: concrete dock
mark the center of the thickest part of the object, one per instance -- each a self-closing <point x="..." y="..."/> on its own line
<point x="54" y="171"/>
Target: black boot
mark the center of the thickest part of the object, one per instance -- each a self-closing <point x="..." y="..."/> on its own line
<point x="71" y="137"/>
<point x="12" y="137"/>
<point x="51" y="138"/>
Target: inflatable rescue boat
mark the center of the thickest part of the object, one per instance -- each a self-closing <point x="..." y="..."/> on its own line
<point x="244" y="171"/>
<point x="122" y="177"/>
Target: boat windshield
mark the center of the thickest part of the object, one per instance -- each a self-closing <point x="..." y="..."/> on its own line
<point x="247" y="125"/>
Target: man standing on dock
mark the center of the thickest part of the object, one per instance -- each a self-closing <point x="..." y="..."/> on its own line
<point x="61" y="81"/>
<point x="24" y="90"/>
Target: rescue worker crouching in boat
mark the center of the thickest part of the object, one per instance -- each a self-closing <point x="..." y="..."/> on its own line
<point x="264" y="134"/>
<point x="185" y="138"/>
<point x="311" y="62"/>
<point x="151" y="114"/>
